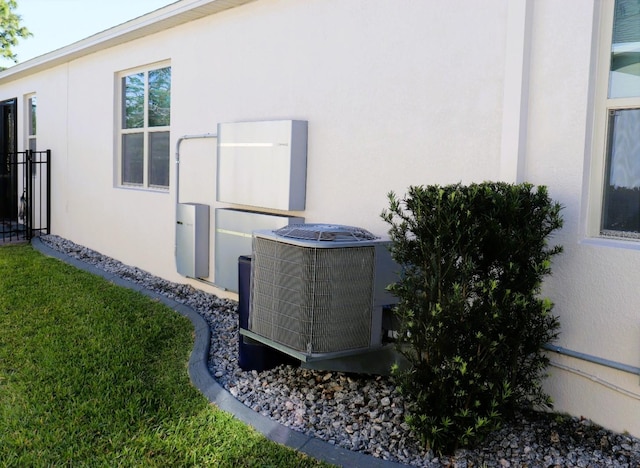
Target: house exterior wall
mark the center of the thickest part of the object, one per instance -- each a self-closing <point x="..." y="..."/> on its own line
<point x="593" y="280"/>
<point x="423" y="93"/>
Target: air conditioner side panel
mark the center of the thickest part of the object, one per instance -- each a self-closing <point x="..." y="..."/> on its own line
<point x="312" y="300"/>
<point x="386" y="273"/>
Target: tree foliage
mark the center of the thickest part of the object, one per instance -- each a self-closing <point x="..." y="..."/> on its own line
<point x="11" y="30"/>
<point x="472" y="322"/>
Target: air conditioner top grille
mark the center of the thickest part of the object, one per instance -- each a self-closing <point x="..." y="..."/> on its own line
<point x="325" y="232"/>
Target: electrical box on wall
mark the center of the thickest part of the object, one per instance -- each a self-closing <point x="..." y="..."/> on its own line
<point x="192" y="240"/>
<point x="263" y="164"/>
<point x="233" y="237"/>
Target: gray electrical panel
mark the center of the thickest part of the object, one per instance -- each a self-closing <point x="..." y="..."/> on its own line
<point x="192" y="240"/>
<point x="263" y="164"/>
<point x="233" y="238"/>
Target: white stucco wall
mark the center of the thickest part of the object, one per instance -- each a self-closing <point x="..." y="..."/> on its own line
<point x="395" y="95"/>
<point x="389" y="103"/>
<point x="594" y="281"/>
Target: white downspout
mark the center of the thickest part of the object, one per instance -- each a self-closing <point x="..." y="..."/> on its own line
<point x="516" y="91"/>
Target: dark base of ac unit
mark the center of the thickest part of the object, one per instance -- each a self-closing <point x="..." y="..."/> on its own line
<point x="378" y="360"/>
<point x="253" y="355"/>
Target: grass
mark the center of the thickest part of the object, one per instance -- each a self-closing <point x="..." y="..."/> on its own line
<point x="92" y="374"/>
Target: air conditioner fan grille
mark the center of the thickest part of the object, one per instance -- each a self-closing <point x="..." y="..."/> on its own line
<point x="312" y="300"/>
<point x="325" y="232"/>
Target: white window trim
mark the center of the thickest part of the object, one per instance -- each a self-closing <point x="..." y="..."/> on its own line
<point x="602" y="105"/>
<point x="119" y="131"/>
<point x="27" y="120"/>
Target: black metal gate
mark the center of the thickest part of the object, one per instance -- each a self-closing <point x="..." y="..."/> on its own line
<point x="25" y="195"/>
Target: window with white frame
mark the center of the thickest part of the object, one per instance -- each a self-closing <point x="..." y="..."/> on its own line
<point x="31" y="122"/>
<point x="618" y="120"/>
<point x="144" y="129"/>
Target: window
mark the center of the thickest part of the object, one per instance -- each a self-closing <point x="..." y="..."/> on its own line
<point x="31" y="122"/>
<point x="144" y="129"/>
<point x="618" y="118"/>
<point x="625" y="47"/>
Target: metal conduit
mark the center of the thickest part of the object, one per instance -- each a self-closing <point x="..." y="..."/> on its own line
<point x="595" y="359"/>
<point x="178" y="143"/>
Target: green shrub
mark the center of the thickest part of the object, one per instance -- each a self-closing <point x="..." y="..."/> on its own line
<point x="471" y="320"/>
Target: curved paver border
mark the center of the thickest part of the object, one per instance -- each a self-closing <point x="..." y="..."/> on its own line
<point x="215" y="393"/>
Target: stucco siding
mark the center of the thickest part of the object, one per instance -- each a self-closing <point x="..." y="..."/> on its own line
<point x="593" y="283"/>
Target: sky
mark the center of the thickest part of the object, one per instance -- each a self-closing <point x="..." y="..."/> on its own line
<point x="58" y="23"/>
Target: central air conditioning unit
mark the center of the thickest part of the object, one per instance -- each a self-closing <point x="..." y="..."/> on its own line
<point x="318" y="290"/>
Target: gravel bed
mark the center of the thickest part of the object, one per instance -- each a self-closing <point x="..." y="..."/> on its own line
<point x="366" y="413"/>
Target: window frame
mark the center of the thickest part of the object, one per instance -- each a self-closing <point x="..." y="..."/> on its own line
<point x="30" y="126"/>
<point x="602" y="130"/>
<point x="145" y="130"/>
<point x="31" y="115"/>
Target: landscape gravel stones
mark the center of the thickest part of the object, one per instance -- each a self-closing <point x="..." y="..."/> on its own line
<point x="366" y="413"/>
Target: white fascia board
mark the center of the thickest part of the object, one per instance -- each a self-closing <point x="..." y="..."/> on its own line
<point x="164" y="18"/>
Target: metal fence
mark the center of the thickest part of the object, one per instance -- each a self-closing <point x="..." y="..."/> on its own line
<point x="25" y="195"/>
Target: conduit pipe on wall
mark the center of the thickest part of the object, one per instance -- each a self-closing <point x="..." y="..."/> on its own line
<point x="178" y="143"/>
<point x="596" y="379"/>
<point x="595" y="359"/>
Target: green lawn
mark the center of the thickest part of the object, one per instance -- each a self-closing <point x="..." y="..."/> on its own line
<point x="92" y="374"/>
